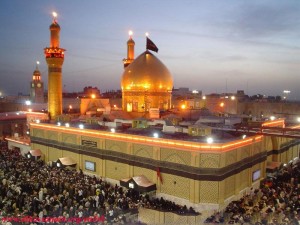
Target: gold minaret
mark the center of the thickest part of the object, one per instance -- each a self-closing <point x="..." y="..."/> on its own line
<point x="130" y="50"/>
<point x="55" y="58"/>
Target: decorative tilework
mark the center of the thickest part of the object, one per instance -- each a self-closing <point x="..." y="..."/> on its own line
<point x="230" y="157"/>
<point x="116" y="146"/>
<point x="143" y="151"/>
<point x="180" y="219"/>
<point x="209" y="160"/>
<point x="148" y="216"/>
<point x="38" y="133"/>
<point x="54" y="154"/>
<point x="69" y="138"/>
<point x="169" y="218"/>
<point x="244" y="153"/>
<point x="175" y="156"/>
<point x="256" y="148"/>
<point x="116" y="170"/>
<point x="229" y="187"/>
<point x="209" y="192"/>
<point x="244" y="179"/>
<point x="174" y="184"/>
<point x="53" y="135"/>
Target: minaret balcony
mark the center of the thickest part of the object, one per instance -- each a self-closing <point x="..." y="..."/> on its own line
<point x="54" y="53"/>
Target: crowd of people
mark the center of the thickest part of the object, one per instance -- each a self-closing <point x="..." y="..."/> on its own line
<point x="276" y="202"/>
<point x="30" y="190"/>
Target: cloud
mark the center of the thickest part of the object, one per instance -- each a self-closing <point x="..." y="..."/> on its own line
<point x="264" y="19"/>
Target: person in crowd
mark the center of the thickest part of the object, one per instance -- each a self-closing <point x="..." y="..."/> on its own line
<point x="277" y="201"/>
<point x="33" y="189"/>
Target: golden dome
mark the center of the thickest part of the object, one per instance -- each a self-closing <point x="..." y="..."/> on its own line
<point x="147" y="72"/>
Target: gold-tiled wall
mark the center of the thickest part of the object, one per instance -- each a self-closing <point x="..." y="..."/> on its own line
<point x="116" y="170"/>
<point x="209" y="160"/>
<point x="69" y="138"/>
<point x="175" y="156"/>
<point x="175" y="184"/>
<point x="196" y="191"/>
<point x="209" y="191"/>
<point x="117" y="146"/>
<point x="143" y="150"/>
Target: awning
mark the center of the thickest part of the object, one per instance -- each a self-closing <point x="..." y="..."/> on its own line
<point x="35" y="152"/>
<point x="138" y="183"/>
<point x="67" y="161"/>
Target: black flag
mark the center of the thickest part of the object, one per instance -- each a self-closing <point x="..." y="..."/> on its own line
<point x="151" y="46"/>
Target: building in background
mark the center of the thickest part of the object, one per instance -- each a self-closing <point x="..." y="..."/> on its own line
<point x="37" y="87"/>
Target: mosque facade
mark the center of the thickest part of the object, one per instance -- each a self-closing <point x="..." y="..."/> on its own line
<point x="199" y="174"/>
<point x="205" y="176"/>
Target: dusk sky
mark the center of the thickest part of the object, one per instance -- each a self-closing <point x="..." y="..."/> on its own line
<point x="250" y="45"/>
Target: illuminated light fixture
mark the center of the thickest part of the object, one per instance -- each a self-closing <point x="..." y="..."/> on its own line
<point x="222" y="104"/>
<point x="130" y="33"/>
<point x="54" y="14"/>
<point x="115" y="106"/>
<point x="27" y="102"/>
<point x="37" y="121"/>
<point x="195" y="92"/>
<point x="27" y="132"/>
<point x="284" y="164"/>
<point x="18" y="113"/>
<point x="93" y="96"/>
<point x="298" y="119"/>
<point x="272" y="117"/>
<point x="244" y="136"/>
<point x="233" y="97"/>
<point x="67" y="125"/>
<point x="81" y="126"/>
<point x="113" y="130"/>
<point x="209" y="140"/>
<point x="226" y="96"/>
<point x="70" y="106"/>
<point x="155" y="135"/>
<point x="204" y="97"/>
<point x="184" y="145"/>
<point x="183" y="106"/>
<point x="58" y="124"/>
<point x="29" y="110"/>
